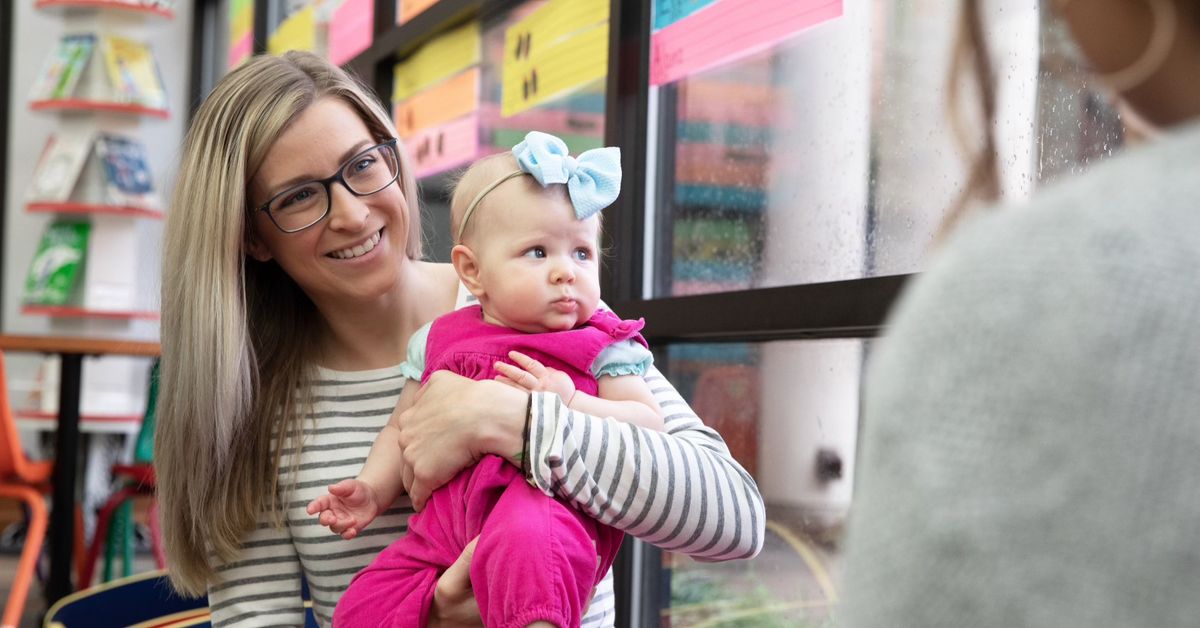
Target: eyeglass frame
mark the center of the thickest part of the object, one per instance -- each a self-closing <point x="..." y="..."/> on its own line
<point x="327" y="183"/>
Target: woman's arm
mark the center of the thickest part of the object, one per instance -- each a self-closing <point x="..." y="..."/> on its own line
<point x="679" y="489"/>
<point x="261" y="586"/>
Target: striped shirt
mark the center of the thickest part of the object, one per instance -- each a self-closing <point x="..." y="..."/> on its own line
<point x="679" y="489"/>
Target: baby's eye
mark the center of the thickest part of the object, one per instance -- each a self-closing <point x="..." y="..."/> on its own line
<point x="536" y="252"/>
<point x="583" y="254"/>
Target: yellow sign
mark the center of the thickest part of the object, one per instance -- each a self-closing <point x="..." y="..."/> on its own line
<point x="298" y="32"/>
<point x="552" y="72"/>
<point x="446" y="55"/>
<point x="241" y="19"/>
<point x="549" y="25"/>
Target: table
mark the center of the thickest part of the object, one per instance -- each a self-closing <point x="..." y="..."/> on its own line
<point x="66" y="446"/>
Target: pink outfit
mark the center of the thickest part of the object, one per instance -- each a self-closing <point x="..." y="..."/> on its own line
<point x="537" y="557"/>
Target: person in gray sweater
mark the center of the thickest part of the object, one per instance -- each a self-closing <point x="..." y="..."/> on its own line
<point x="1031" y="442"/>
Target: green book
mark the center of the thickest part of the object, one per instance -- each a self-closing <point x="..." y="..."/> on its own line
<point x="57" y="266"/>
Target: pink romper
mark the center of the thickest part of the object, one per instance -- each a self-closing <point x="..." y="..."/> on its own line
<point x="536" y="559"/>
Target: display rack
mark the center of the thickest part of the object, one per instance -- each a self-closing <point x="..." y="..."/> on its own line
<point x="102" y="83"/>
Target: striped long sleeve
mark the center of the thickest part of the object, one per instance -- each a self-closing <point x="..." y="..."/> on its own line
<point x="679" y="489"/>
<point x="262" y="586"/>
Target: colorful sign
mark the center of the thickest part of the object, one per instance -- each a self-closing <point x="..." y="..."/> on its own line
<point x="410" y="8"/>
<point x="450" y="99"/>
<point x="667" y="12"/>
<point x="559" y="48"/>
<point x="297" y="32"/>
<point x="351" y="30"/>
<point x="440" y="148"/>
<point x="445" y="56"/>
<point x="728" y="30"/>
<point x="241" y="31"/>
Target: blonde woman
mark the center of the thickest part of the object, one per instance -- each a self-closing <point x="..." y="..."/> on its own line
<point x="1030" y="445"/>
<point x="285" y="323"/>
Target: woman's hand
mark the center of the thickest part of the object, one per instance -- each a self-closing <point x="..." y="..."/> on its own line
<point x="453" y="600"/>
<point x="453" y="423"/>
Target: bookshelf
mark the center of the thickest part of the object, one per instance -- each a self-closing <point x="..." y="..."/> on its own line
<point x="82" y="105"/>
<point x="132" y="6"/>
<point x="100" y="80"/>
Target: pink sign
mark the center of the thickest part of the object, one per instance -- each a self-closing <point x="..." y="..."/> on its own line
<point x="440" y="148"/>
<point x="350" y="30"/>
<point x="728" y="30"/>
<point x="240" y="50"/>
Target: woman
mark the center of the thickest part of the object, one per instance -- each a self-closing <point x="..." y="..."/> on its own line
<point x="1029" y="456"/>
<point x="284" y="328"/>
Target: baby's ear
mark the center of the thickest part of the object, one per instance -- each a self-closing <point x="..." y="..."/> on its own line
<point x="466" y="264"/>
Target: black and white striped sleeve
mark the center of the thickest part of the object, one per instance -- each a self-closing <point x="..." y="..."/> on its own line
<point x="261" y="587"/>
<point x="679" y="489"/>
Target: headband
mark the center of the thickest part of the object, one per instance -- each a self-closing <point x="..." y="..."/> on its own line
<point x="593" y="179"/>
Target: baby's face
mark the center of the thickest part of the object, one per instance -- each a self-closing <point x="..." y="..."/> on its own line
<point x="538" y="264"/>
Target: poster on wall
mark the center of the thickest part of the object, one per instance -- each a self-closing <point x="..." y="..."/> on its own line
<point x="241" y="31"/>
<point x="436" y="91"/>
<point x="700" y="35"/>
<point x="297" y="32"/>
<point x="559" y="48"/>
<point x="351" y="29"/>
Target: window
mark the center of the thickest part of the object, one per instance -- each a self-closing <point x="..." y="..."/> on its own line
<point x="788" y="196"/>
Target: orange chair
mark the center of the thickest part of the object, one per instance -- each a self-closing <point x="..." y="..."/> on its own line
<point x="26" y="480"/>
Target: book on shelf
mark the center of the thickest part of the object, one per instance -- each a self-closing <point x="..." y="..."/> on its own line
<point x="132" y="72"/>
<point x="127" y="180"/>
<point x="60" y="74"/>
<point x="58" y="168"/>
<point x="57" y="267"/>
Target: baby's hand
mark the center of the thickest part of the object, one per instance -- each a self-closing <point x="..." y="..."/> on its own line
<point x="535" y="376"/>
<point x="350" y="506"/>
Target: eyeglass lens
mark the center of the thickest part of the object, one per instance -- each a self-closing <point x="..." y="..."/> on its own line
<point x="366" y="173"/>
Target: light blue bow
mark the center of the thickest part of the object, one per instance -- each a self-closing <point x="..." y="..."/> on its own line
<point x="593" y="179"/>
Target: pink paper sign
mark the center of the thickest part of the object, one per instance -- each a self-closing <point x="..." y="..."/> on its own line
<point x="350" y="30"/>
<point x="730" y="29"/>
<point x="440" y="148"/>
<point x="240" y="50"/>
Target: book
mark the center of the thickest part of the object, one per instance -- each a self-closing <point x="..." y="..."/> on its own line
<point x="127" y="178"/>
<point x="58" y="168"/>
<point x="63" y="67"/>
<point x="132" y="72"/>
<point x="56" y="269"/>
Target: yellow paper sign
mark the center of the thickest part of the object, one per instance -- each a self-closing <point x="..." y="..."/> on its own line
<point x="297" y="32"/>
<point x="549" y="25"/>
<point x="441" y="103"/>
<point x="241" y="19"/>
<point x="446" y="55"/>
<point x="553" y="71"/>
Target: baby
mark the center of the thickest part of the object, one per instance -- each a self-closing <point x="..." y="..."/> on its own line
<point x="527" y="232"/>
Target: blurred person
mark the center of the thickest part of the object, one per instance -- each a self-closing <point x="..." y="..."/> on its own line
<point x="1030" y="436"/>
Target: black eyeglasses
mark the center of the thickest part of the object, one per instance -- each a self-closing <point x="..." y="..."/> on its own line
<point x="304" y="205"/>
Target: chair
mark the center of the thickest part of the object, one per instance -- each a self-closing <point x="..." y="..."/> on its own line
<point x="25" y="480"/>
<point x="142" y="600"/>
<point x="114" y="523"/>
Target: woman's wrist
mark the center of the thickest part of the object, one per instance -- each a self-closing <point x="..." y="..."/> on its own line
<point x="505" y="435"/>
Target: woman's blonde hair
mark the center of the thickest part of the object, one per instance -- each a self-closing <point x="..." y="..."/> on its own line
<point x="237" y="333"/>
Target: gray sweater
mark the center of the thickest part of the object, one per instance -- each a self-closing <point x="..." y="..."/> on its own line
<point x="1031" y="445"/>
